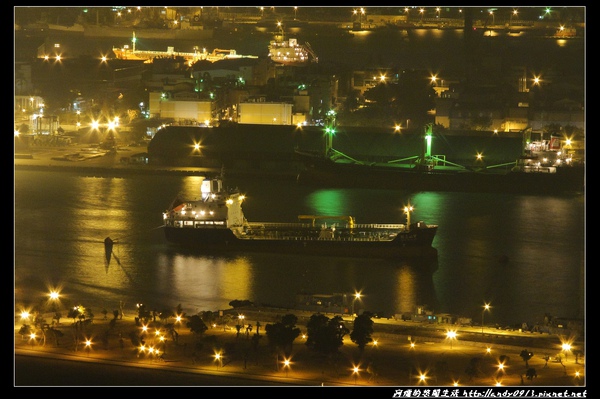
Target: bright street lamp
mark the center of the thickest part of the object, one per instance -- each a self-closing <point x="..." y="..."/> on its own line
<point x="566" y="348"/>
<point x="25" y="316"/>
<point x="355" y="371"/>
<point x="408" y="209"/>
<point x="286" y="366"/>
<point x="486" y="306"/>
<point x="88" y="346"/>
<point x="515" y="12"/>
<point x="451" y="335"/>
<point x="356" y="296"/>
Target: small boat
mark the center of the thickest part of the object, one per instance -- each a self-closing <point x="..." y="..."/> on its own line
<point x="216" y="222"/>
<point x="565" y="33"/>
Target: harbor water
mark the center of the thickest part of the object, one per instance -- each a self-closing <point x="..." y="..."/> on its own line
<point x="523" y="254"/>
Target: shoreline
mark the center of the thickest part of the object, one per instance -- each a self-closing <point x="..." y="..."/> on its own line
<point x="393" y="356"/>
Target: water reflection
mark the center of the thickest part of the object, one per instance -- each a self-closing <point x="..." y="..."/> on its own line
<point x="212" y="281"/>
<point x="201" y="280"/>
<point x="61" y="221"/>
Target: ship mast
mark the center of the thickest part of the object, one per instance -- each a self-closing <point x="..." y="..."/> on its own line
<point x="280" y="26"/>
<point x="408" y="209"/>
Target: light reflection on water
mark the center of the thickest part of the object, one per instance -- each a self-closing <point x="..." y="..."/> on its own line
<point x="61" y="221"/>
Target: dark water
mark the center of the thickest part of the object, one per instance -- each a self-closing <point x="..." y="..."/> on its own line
<point x="61" y="220"/>
<point x="444" y="52"/>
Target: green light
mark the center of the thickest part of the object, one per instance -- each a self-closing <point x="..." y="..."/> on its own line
<point x="328" y="202"/>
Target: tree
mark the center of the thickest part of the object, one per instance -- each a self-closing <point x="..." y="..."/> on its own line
<point x="73" y="314"/>
<point x="362" y="331"/>
<point x="143" y="313"/>
<point x="411" y="97"/>
<point x="325" y="335"/>
<point x="236" y="303"/>
<point x="224" y="321"/>
<point x="480" y="121"/>
<point x="526" y="355"/>
<point x="56" y="334"/>
<point x="473" y="368"/>
<point x="25" y="330"/>
<point x="281" y="335"/>
<point x="57" y="317"/>
<point x="531" y="373"/>
<point x="196" y="325"/>
<point x="165" y="314"/>
<point x="208" y="316"/>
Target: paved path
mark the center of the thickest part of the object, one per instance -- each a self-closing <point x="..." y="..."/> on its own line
<point x="393" y="361"/>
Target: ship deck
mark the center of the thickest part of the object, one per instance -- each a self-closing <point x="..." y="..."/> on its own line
<point x="308" y="232"/>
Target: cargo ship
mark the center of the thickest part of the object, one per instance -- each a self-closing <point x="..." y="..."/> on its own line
<point x="216" y="222"/>
<point x="531" y="180"/>
<point x="545" y="170"/>
<point x="131" y="53"/>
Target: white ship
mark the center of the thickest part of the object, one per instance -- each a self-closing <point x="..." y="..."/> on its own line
<point x="290" y="52"/>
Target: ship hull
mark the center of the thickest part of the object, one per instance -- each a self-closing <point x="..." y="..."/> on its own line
<point x="332" y="174"/>
<point x="413" y="244"/>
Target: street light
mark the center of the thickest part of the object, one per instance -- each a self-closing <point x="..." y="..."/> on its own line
<point x="486" y="306"/>
<point x="515" y="12"/>
<point x="356" y="296"/>
<point x="25" y="316"/>
<point x="88" y="346"/>
<point x="164" y="342"/>
<point x="434" y="80"/>
<point x="408" y="209"/>
<point x="566" y="347"/>
<point x="355" y="371"/>
<point x="32" y="338"/>
<point x="286" y="366"/>
<point x="218" y="359"/>
<point x="451" y="335"/>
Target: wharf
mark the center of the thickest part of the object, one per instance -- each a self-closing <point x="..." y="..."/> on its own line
<point x="92" y="162"/>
